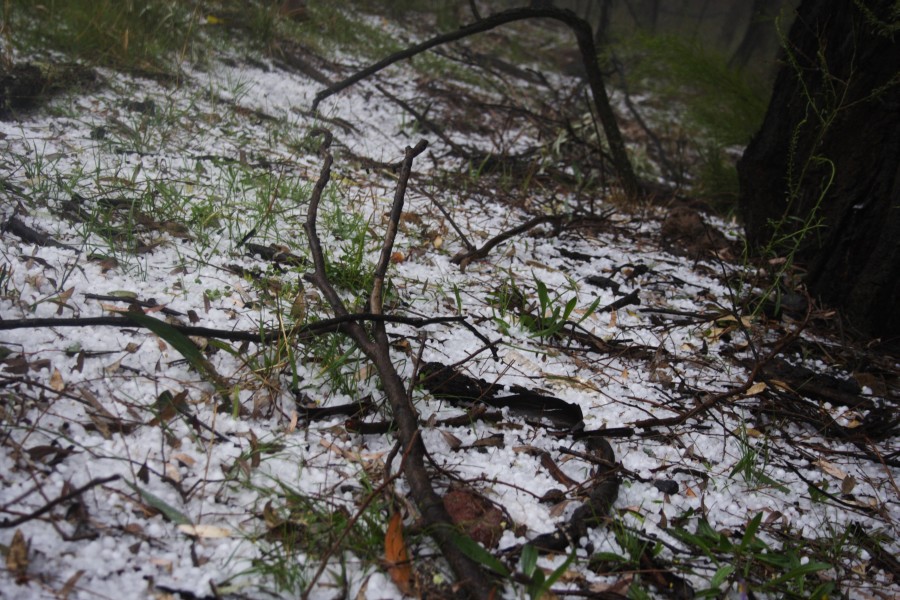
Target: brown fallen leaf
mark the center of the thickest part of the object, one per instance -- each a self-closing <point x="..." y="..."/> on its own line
<point x="452" y="441"/>
<point x="17" y="556"/>
<point x="70" y="584"/>
<point x="555" y="472"/>
<point x="479" y="519"/>
<point x="396" y="556"/>
<point x="56" y="381"/>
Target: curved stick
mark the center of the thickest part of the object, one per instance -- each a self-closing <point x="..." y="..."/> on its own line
<point x="585" y="37"/>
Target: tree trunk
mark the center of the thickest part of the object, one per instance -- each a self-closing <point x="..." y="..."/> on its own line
<point x="827" y="158"/>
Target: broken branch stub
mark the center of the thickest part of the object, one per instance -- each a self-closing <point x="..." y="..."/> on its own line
<point x="377" y="349"/>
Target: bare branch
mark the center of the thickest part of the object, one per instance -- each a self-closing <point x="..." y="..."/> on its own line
<point x="375" y="300"/>
<point x="585" y="37"/>
<point x="429" y="503"/>
<point x="464" y="258"/>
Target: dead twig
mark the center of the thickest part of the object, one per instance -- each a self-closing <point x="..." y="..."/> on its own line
<point x="463" y="258"/>
<point x="7" y="523"/>
<point x="301" y="332"/>
<point x="715" y="399"/>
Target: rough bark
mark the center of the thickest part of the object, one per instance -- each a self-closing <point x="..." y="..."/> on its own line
<point x="828" y="154"/>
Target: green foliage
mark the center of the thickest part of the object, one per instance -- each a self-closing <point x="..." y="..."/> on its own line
<point x="327" y="26"/>
<point x="718" y="105"/>
<point x="725" y="104"/>
<point x="753" y="461"/>
<point x="752" y="564"/>
<point x="299" y="529"/>
<point x="540" y="583"/>
<point x="544" y="319"/>
<point x="132" y="34"/>
<point x="168" y="511"/>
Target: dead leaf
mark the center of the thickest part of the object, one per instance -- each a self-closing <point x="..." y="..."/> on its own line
<point x="491" y="441"/>
<point x="56" y="381"/>
<point x="831" y="468"/>
<point x="205" y="531"/>
<point x="163" y="563"/>
<point x="254" y="451"/>
<point x="479" y="519"/>
<point x="847" y="484"/>
<point x="396" y="556"/>
<point x="184" y="459"/>
<point x="559" y="508"/>
<point x="173" y="473"/>
<point x="17" y="555"/>
<point x="113" y="308"/>
<point x="298" y="307"/>
<point x="555" y="472"/>
<point x="756" y="388"/>
<point x="780" y="384"/>
<point x="452" y="441"/>
<point x="70" y="584"/>
<point x="63" y="299"/>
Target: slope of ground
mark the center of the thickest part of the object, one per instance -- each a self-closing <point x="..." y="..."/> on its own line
<point x="256" y="459"/>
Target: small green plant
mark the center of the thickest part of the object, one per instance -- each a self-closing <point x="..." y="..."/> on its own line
<point x="752" y="464"/>
<point x="750" y="563"/>
<point x="540" y="582"/>
<point x="298" y="526"/>
<point x="544" y="319"/>
<point x="7" y="290"/>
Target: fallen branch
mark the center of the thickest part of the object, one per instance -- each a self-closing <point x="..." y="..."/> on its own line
<point x="464" y="258"/>
<point x="585" y="37"/>
<point x="377" y="349"/>
<point x="301" y="332"/>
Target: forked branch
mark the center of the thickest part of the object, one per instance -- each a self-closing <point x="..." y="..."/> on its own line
<point x="376" y="349"/>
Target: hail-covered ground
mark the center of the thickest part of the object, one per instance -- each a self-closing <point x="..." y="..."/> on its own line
<point x="127" y="473"/>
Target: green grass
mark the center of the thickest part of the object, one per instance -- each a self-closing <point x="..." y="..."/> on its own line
<point x="749" y="563"/>
<point x="127" y="34"/>
<point x="298" y="530"/>
<point x="717" y="106"/>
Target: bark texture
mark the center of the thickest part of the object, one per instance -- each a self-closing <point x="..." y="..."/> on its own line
<point x="828" y="155"/>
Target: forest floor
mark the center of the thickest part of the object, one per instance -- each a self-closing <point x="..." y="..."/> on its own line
<point x="742" y="452"/>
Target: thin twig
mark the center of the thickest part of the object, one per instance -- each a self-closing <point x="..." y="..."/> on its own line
<point x="464" y="258"/>
<point x="316" y="328"/>
<point x="6" y="523"/>
<point x="715" y="399"/>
